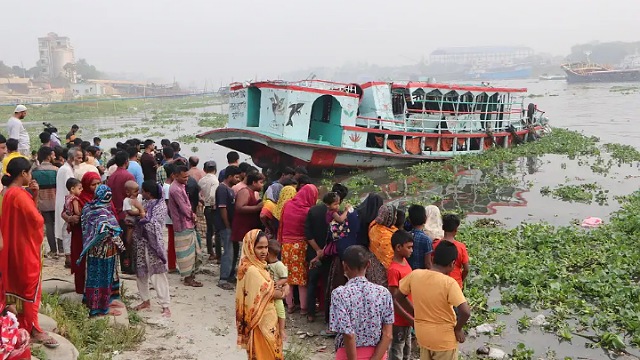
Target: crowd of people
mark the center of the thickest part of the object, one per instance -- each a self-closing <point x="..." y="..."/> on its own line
<point x="379" y="274"/>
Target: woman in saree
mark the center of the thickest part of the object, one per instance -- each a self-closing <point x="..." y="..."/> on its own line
<point x="433" y="227"/>
<point x="102" y="243"/>
<point x="294" y="242"/>
<point x="22" y="229"/>
<point x="90" y="182"/>
<point x="380" y="232"/>
<point x="150" y="253"/>
<point x="256" y="317"/>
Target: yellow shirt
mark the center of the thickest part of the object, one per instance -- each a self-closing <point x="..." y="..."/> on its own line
<point x="434" y="295"/>
<point x="9" y="157"/>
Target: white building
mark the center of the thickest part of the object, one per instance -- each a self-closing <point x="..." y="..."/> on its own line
<point x="55" y="52"/>
<point x="480" y="54"/>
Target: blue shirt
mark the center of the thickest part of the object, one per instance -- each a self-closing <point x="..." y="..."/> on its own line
<point x="136" y="170"/>
<point x="422" y="245"/>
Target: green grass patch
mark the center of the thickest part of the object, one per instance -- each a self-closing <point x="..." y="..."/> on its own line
<point x="95" y="338"/>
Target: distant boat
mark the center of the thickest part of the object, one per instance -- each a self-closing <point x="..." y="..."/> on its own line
<point x="327" y="125"/>
<point x="588" y="72"/>
<point x="551" y="77"/>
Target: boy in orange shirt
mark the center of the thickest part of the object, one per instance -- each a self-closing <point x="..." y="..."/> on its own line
<point x="435" y="293"/>
<point x="450" y="224"/>
<point x="402" y="243"/>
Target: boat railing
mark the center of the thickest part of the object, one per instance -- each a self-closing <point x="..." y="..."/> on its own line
<point x="435" y="125"/>
<point x="326" y="85"/>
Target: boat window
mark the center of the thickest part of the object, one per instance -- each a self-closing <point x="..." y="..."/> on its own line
<point x="397" y="102"/>
<point x="450" y="100"/>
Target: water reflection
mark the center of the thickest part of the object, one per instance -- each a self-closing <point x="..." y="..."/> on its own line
<point x="473" y="192"/>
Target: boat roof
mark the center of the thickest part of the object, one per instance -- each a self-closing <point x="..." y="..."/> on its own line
<point x="455" y="87"/>
<point x="348" y="89"/>
<point x="316" y="86"/>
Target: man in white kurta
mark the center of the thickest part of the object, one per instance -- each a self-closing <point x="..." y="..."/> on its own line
<point x="16" y="130"/>
<point x="65" y="173"/>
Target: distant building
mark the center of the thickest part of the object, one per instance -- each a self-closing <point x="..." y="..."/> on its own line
<point x="480" y="54"/>
<point x="15" y="85"/>
<point x="56" y="52"/>
<point x="91" y="89"/>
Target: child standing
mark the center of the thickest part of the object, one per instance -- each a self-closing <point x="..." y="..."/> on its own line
<point x="435" y="294"/>
<point x="450" y="224"/>
<point x="279" y="273"/>
<point x="422" y="243"/>
<point x="402" y="243"/>
<point x="71" y="200"/>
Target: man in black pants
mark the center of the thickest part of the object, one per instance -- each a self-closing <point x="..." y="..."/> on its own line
<point x="316" y="230"/>
<point x="208" y="186"/>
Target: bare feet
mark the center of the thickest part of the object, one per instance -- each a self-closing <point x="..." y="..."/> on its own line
<point x="166" y="312"/>
<point x="117" y="304"/>
<point x="146" y="305"/>
<point x="283" y="335"/>
<point x="115" y="312"/>
<point x="191" y="281"/>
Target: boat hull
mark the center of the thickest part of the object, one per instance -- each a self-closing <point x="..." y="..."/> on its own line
<point x="611" y="76"/>
<point x="268" y="151"/>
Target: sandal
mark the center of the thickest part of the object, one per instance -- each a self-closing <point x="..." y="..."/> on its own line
<point x="293" y="309"/>
<point x="46" y="340"/>
<point x="311" y="318"/>
<point x="226" y="286"/>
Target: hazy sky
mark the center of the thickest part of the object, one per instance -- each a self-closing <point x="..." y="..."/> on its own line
<point x="237" y="39"/>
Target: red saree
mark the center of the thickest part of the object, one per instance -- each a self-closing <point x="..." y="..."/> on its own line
<point x="22" y="229"/>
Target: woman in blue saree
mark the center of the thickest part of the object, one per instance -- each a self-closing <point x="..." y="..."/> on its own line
<point x="101" y="246"/>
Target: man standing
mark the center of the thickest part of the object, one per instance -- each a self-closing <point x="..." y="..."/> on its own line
<point x="16" y="130"/>
<point x="233" y="159"/>
<point x="148" y="161"/>
<point x="134" y="167"/>
<point x="45" y="174"/>
<point x="223" y="218"/>
<point x="194" y="172"/>
<point x="74" y="158"/>
<point x="208" y="186"/>
<point x="71" y="135"/>
<point x="117" y="182"/>
<point x="176" y="149"/>
<point x="183" y="219"/>
<point x="161" y="174"/>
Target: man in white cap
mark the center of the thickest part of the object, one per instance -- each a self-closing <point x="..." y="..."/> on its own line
<point x="16" y="130"/>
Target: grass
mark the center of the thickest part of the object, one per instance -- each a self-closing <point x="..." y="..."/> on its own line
<point x="296" y="351"/>
<point x="95" y="339"/>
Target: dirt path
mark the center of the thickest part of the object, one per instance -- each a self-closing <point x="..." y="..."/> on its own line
<point x="202" y="325"/>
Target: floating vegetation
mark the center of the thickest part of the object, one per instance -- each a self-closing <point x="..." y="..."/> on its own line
<point x="212" y="120"/>
<point x="585" y="280"/>
<point x="583" y="193"/>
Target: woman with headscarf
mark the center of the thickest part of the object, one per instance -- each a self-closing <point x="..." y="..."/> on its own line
<point x="286" y="194"/>
<point x="150" y="252"/>
<point x="90" y="182"/>
<point x="271" y="201"/>
<point x="380" y="231"/>
<point x="294" y="243"/>
<point x="367" y="212"/>
<point x="256" y="317"/>
<point x="433" y="227"/>
<point x="22" y="229"/>
<point x="102" y="243"/>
